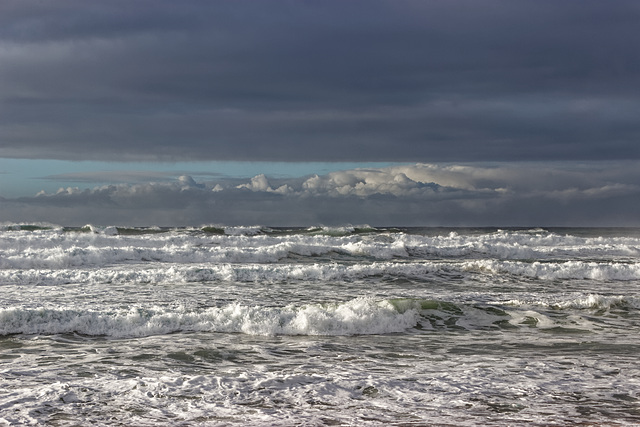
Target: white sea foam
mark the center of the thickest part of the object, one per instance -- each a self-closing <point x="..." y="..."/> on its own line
<point x="359" y="316"/>
<point x="177" y="273"/>
<point x="522" y="245"/>
<point x="601" y="302"/>
<point x="174" y="273"/>
<point x="559" y="270"/>
<point x="59" y="250"/>
<point x="56" y="248"/>
<point x="353" y="325"/>
<point x="569" y="302"/>
<point x="354" y="317"/>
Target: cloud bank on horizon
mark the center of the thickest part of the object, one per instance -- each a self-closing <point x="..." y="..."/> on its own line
<point x="399" y="81"/>
<point x="421" y="194"/>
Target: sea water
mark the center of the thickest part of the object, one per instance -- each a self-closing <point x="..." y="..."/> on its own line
<point x="318" y="326"/>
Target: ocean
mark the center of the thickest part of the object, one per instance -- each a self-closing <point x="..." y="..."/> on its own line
<point x="319" y="326"/>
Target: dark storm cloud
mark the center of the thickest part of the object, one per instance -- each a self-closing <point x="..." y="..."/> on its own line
<point x="130" y="176"/>
<point x="320" y="80"/>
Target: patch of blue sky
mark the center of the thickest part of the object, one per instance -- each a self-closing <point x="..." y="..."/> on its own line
<point x="27" y="177"/>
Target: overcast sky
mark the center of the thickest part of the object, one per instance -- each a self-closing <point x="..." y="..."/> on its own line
<point x="520" y="90"/>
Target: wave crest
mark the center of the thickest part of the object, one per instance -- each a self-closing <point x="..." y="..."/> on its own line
<point x="361" y="316"/>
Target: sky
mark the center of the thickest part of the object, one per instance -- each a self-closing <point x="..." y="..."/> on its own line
<point x="451" y="113"/>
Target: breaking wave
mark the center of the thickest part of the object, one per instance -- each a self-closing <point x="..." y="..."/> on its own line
<point x="360" y="316"/>
<point x="175" y="273"/>
<point x="355" y="317"/>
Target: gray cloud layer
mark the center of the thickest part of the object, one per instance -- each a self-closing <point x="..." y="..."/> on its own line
<point x="320" y="80"/>
<point x="594" y="194"/>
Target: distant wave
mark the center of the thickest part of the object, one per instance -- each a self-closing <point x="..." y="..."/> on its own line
<point x="560" y="269"/>
<point x="272" y="273"/>
<point x="207" y="229"/>
<point x="50" y="247"/>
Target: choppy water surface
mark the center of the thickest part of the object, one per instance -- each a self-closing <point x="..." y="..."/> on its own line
<point x="319" y="326"/>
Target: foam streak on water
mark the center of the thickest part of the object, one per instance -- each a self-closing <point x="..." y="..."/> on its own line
<point x="318" y="326"/>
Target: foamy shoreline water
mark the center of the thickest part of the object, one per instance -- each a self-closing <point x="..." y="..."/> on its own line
<point x="318" y="326"/>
